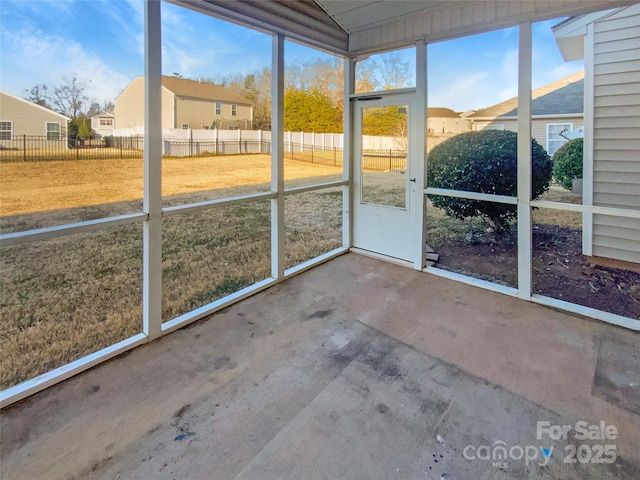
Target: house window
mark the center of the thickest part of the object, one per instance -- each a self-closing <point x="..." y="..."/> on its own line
<point x="555" y="139"/>
<point x="218" y="108"/>
<point x="234" y="128"/>
<point x="6" y="130"/>
<point x="53" y="130"/>
<point x="106" y="122"/>
<point x="234" y="110"/>
<point x="489" y="127"/>
<point x="185" y="126"/>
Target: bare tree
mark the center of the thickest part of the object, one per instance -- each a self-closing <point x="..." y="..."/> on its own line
<point x="262" y="102"/>
<point x="392" y="71"/>
<point x="69" y="98"/>
<point x="38" y="94"/>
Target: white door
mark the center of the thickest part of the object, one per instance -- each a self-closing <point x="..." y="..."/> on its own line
<point x="384" y="186"/>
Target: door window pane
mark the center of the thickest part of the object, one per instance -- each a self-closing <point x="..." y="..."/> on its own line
<point x="384" y="145"/>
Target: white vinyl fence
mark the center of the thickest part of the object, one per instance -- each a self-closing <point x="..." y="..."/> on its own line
<point x="188" y="142"/>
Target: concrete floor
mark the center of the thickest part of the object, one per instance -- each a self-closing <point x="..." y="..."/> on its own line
<point x="357" y="369"/>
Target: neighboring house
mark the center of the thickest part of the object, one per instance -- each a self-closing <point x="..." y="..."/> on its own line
<point x="186" y="104"/>
<point x="445" y="120"/>
<point x="19" y="117"/>
<point x="103" y="124"/>
<point x="609" y="43"/>
<point x="557" y="109"/>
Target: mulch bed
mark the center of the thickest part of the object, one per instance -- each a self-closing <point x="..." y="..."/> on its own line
<point x="559" y="269"/>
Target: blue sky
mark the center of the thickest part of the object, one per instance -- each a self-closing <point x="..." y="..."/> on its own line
<point x="102" y="41"/>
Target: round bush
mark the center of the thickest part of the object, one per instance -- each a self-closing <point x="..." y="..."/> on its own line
<point x="484" y="162"/>
<point x="567" y="163"/>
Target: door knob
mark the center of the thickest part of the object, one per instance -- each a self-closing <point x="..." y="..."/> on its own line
<point x="413" y="180"/>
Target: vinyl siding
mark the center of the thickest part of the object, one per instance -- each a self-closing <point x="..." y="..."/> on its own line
<point x="538" y="126"/>
<point x="616" y="133"/>
<point x="461" y="19"/>
<point x="197" y="113"/>
<point x="28" y="118"/>
<point x="129" y="106"/>
<point x="176" y="110"/>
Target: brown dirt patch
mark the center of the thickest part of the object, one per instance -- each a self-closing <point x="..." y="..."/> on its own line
<point x="559" y="269"/>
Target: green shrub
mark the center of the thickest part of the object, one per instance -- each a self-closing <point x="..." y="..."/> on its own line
<point x="567" y="163"/>
<point x="484" y="162"/>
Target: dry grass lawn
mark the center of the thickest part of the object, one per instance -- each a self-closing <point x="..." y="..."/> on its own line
<point x="70" y="296"/>
<point x="32" y="187"/>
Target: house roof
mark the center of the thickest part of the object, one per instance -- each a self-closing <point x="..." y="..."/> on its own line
<point x="104" y="114"/>
<point x="442" y="112"/>
<point x="563" y="96"/>
<point x="182" y="87"/>
<point x="35" y="105"/>
<point x="570" y="33"/>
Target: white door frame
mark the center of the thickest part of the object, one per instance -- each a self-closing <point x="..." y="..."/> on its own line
<point x="379" y="229"/>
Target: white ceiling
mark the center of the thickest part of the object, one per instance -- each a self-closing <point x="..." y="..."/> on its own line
<point x="361" y="27"/>
<point x="358" y="15"/>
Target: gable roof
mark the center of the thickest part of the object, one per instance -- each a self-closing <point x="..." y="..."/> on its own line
<point x="563" y="96"/>
<point x="571" y="33"/>
<point x="104" y="115"/>
<point x="182" y="87"/>
<point x="442" y="113"/>
<point x="35" y="105"/>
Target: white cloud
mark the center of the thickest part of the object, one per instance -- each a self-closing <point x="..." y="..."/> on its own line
<point x="463" y="93"/>
<point x="208" y="48"/>
<point x="562" y="70"/>
<point x="31" y="56"/>
<point x="509" y="66"/>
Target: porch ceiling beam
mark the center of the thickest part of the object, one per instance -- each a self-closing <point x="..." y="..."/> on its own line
<point x="301" y="20"/>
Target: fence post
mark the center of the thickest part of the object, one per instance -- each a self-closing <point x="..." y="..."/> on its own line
<point x="390" y="159"/>
<point x="24" y="149"/>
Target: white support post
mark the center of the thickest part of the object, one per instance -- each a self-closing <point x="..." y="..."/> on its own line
<point x="152" y="203"/>
<point x="524" y="161"/>
<point x="417" y="135"/>
<point x="347" y="149"/>
<point x="587" y="161"/>
<point x="277" y="158"/>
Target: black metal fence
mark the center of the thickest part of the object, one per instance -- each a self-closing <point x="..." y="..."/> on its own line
<point x="331" y="156"/>
<point x="26" y="148"/>
<point x="29" y="148"/>
<point x="195" y="148"/>
<point x="384" y="160"/>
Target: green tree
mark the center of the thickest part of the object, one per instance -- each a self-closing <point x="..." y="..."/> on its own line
<point x="384" y="121"/>
<point x="567" y="163"/>
<point x="484" y="162"/>
<point x="310" y="111"/>
<point x="80" y="128"/>
<point x="84" y="129"/>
